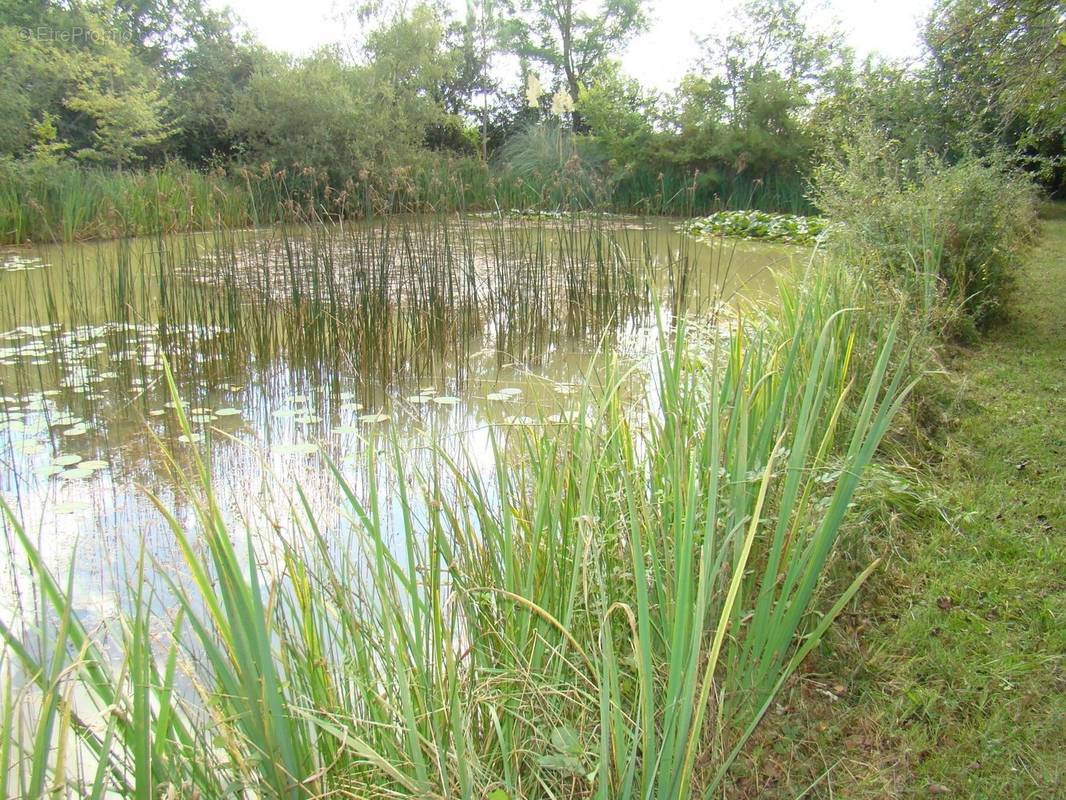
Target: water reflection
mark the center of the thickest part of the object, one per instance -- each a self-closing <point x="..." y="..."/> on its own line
<point x="289" y="346"/>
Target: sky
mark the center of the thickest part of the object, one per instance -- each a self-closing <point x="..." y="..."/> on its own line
<point x="658" y="57"/>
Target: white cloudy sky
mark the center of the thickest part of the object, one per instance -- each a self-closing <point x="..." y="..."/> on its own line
<point x="658" y="57"/>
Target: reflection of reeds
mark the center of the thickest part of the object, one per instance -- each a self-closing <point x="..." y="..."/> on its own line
<point x="388" y="296"/>
<point x="609" y="614"/>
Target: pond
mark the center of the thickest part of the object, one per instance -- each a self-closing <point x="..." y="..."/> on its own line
<point x="290" y="345"/>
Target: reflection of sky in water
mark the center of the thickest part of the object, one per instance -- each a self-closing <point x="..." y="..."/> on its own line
<point x="87" y="422"/>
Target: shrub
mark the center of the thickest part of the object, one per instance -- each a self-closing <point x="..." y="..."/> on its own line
<point x="941" y="232"/>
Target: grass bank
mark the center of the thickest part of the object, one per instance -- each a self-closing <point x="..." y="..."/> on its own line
<point x="948" y="678"/>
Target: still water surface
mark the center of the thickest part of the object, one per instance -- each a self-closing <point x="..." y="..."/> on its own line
<point x="290" y="344"/>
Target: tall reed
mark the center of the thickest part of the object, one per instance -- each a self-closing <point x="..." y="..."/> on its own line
<point x="64" y="202"/>
<point x="606" y="609"/>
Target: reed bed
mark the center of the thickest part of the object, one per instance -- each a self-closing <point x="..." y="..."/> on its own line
<point x="607" y="611"/>
<point x="60" y="202"/>
<point x="384" y="295"/>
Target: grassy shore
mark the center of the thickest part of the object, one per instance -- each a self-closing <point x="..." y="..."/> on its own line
<point x="64" y="202"/>
<point x="949" y="677"/>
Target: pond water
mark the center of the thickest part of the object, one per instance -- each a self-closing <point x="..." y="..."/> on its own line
<point x="290" y="344"/>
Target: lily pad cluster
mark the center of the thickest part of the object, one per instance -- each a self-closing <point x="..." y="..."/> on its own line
<point x="758" y="225"/>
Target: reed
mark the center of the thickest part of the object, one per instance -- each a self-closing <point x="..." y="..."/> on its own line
<point x="64" y="202"/>
<point x="607" y="610"/>
<point x="387" y="294"/>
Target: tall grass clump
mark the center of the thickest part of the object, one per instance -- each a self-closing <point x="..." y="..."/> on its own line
<point x="63" y="202"/>
<point x="950" y="234"/>
<point x="556" y="168"/>
<point x="606" y="608"/>
<point x="540" y="168"/>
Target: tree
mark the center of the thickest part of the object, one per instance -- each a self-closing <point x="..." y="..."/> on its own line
<point x="771" y="43"/>
<point x="315" y="112"/>
<point x="89" y="93"/>
<point x="618" y="115"/>
<point x="208" y="76"/>
<point x="342" y="118"/>
<point x="481" y="41"/>
<point x="572" y="38"/>
<point x="126" y="122"/>
<point x="747" y="111"/>
<point x="1000" y="67"/>
<point x="894" y="99"/>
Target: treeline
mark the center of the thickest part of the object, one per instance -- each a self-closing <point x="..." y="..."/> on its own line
<point x="422" y="111"/>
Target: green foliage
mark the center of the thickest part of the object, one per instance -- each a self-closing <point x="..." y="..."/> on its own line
<point x="891" y="98"/>
<point x="943" y="232"/>
<point x="788" y="228"/>
<point x="571" y="38"/>
<point x="44" y="200"/>
<point x="953" y="639"/>
<point x="563" y="170"/>
<point x="619" y="118"/>
<point x="71" y="67"/>
<point x="610" y="614"/>
<point x="1001" y="67"/>
<point x="771" y="97"/>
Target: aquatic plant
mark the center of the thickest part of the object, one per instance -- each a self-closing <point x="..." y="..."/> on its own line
<point x="66" y="202"/>
<point x="608" y="611"/>
<point x="787" y="228"/>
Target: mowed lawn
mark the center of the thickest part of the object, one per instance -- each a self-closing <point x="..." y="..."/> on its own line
<point x="949" y="678"/>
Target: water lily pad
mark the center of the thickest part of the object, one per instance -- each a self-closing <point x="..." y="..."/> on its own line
<point x="299" y="449"/>
<point x="194" y="438"/>
<point x="67" y="460"/>
<point x="70" y="507"/>
<point x="76" y="474"/>
<point x="49" y="471"/>
<point x="498" y="397"/>
<point x="95" y="464"/>
<point x="446" y="401"/>
<point x="227" y="412"/>
<point x="344" y="430"/>
<point x="77" y="430"/>
<point x="370" y="419"/>
<point x="510" y="391"/>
